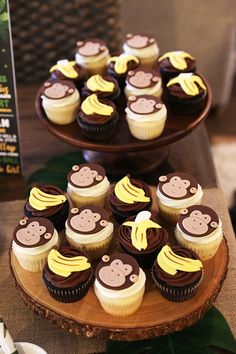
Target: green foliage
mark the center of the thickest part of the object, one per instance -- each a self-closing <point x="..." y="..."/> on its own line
<point x="2" y="5"/>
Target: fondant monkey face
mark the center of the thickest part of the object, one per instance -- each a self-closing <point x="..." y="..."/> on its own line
<point x="86" y="175"/>
<point x="142" y="78"/>
<point x="91" y="47"/>
<point x="58" y="89"/>
<point x="144" y="104"/>
<point x="139" y="41"/>
<point x="178" y="185"/>
<point x="87" y="219"/>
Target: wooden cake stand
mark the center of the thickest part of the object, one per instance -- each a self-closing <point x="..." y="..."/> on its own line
<point x="123" y="153"/>
<point x="156" y="316"/>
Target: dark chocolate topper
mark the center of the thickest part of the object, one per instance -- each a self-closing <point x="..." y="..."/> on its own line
<point x="178" y="185"/>
<point x="144" y="104"/>
<point x="58" y="89"/>
<point x="86" y="175"/>
<point x="142" y="78"/>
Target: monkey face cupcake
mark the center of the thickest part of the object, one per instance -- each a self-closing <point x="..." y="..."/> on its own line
<point x="176" y="191"/>
<point x="32" y="241"/>
<point x="142" y="45"/>
<point x="186" y="93"/>
<point x="177" y="272"/>
<point x="102" y="86"/>
<point x="93" y="54"/>
<point x="119" y="284"/>
<point x="88" y="229"/>
<point x="68" y="70"/>
<point x="142" y="238"/>
<point x="60" y="101"/>
<point x="143" y="81"/>
<point x="97" y="118"/>
<point x="88" y="184"/>
<point x="128" y="197"/>
<point x="199" y="228"/>
<point x="118" y="67"/>
<point x="49" y="202"/>
<point x="174" y="63"/>
<point x="67" y="274"/>
<point x="146" y="116"/>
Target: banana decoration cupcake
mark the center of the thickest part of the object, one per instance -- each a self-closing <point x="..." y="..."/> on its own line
<point x="177" y="272"/>
<point x="97" y="118"/>
<point x="49" y="202"/>
<point x="142" y="238"/>
<point x="186" y="93"/>
<point x="118" y="66"/>
<point x="102" y="86"/>
<point x="144" y="46"/>
<point x="143" y="81"/>
<point x="146" y="116"/>
<point x="93" y="54"/>
<point x="128" y="197"/>
<point x="174" y="63"/>
<point x="60" y="101"/>
<point x="67" y="274"/>
<point x="68" y="70"/>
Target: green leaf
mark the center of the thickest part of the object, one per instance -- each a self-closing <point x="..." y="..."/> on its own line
<point x="4" y="17"/>
<point x="211" y="331"/>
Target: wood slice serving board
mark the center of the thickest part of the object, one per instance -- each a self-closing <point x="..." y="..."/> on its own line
<point x="156" y="316"/>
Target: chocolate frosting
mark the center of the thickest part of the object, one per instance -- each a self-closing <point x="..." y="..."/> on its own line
<point x="135" y="207"/>
<point x="178" y="185"/>
<point x="58" y="75"/>
<point x="73" y="280"/>
<point x="57" y="89"/>
<point x="142" y="78"/>
<point x="139" y="40"/>
<point x="33" y="232"/>
<point x="88" y="219"/>
<point x="90" y="47"/>
<point x="86" y="175"/>
<point x="198" y="220"/>
<point x="181" y="278"/>
<point x="144" y="104"/>
<point x="166" y="65"/>
<point x="98" y="118"/>
<point x="176" y="90"/>
<point x="156" y="238"/>
<point x="51" y="210"/>
<point x="86" y="91"/>
<point x="131" y="65"/>
<point x="117" y="271"/>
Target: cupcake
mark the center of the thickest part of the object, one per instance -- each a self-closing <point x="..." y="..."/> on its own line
<point x="49" y="202"/>
<point x="128" y="197"/>
<point x="142" y="45"/>
<point x="146" y="116"/>
<point x="102" y="86"/>
<point x="97" y="118"/>
<point x="118" y="67"/>
<point x="143" y="81"/>
<point x="67" y="274"/>
<point x="33" y="239"/>
<point x="68" y="70"/>
<point x="88" y="229"/>
<point x="60" y="101"/>
<point x="177" y="272"/>
<point x="119" y="284"/>
<point x="176" y="191"/>
<point x="93" y="54"/>
<point x="186" y="93"/>
<point x="142" y="238"/>
<point x="88" y="184"/>
<point x="199" y="228"/>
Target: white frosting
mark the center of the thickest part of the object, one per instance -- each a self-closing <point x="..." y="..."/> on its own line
<point x="96" y="190"/>
<point x="180" y="203"/>
<point x="153" y="117"/>
<point x="61" y="102"/>
<point x="132" y="90"/>
<point x="90" y="238"/>
<point x="133" y="289"/>
<point x="33" y="251"/>
<point x="150" y="51"/>
<point x="218" y="232"/>
<point x="83" y="60"/>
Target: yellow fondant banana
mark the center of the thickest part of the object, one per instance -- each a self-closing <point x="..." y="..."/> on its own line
<point x="91" y="105"/>
<point x="64" y="266"/>
<point x="41" y="200"/>
<point x="188" y="83"/>
<point x="66" y="68"/>
<point x="171" y="262"/>
<point x="177" y="59"/>
<point x="121" y="62"/>
<point x="128" y="193"/>
<point x="97" y="83"/>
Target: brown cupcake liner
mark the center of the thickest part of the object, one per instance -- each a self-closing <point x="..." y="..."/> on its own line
<point x="121" y="216"/>
<point x="145" y="260"/>
<point x="98" y="131"/>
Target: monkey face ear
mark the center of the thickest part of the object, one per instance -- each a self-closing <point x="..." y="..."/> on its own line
<point x="23" y="221"/>
<point x="133" y="278"/>
<point x="155" y="78"/>
<point x="184" y="211"/>
<point x="103" y="223"/>
<point x="214" y="224"/>
<point x="98" y="178"/>
<point x="132" y="98"/>
<point x="151" y="40"/>
<point x="74" y="210"/>
<point x="79" y="43"/>
<point x="193" y="190"/>
<point x="47" y="84"/>
<point x="159" y="105"/>
<point x="71" y="90"/>
<point x="102" y="47"/>
<point x="131" y="73"/>
<point x="75" y="168"/>
<point x="129" y="35"/>
<point x="47" y="236"/>
<point x="105" y="258"/>
<point x="162" y="178"/>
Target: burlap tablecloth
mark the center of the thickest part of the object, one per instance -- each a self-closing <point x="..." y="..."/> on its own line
<point x="25" y="325"/>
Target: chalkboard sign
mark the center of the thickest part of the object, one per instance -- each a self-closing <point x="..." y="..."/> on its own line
<point x="9" y="134"/>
